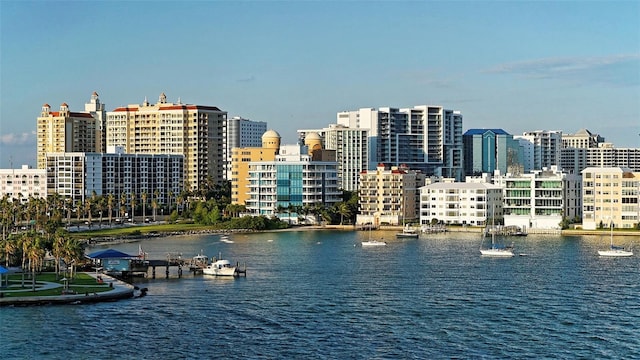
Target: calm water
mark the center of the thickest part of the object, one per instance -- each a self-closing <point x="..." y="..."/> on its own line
<point x="315" y="295"/>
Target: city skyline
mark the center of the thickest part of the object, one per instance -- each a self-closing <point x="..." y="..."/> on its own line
<point x="519" y="66"/>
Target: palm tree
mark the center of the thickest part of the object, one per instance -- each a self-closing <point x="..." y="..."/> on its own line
<point x="9" y="246"/>
<point x="143" y="196"/>
<point x="58" y="249"/>
<point x="133" y="207"/>
<point x="154" y="206"/>
<point x="110" y="202"/>
<point x="344" y="211"/>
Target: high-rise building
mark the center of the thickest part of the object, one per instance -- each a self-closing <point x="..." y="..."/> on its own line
<point x="241" y="157"/>
<point x="351" y="146"/>
<point x="241" y="133"/>
<point x="23" y="183"/>
<point x="605" y="155"/>
<point x="425" y="138"/>
<point x="292" y="181"/>
<point x="610" y="197"/>
<point x="126" y="177"/>
<point x="194" y="131"/>
<point x="582" y="139"/>
<point x="97" y="110"/>
<point x="65" y="131"/>
<point x="389" y="195"/>
<point x="488" y="150"/>
<point x="542" y="149"/>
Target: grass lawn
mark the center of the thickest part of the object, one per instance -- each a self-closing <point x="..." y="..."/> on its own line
<point x="81" y="283"/>
<point x="121" y="230"/>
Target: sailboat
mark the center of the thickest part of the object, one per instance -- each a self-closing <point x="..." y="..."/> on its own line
<point x="614" y="251"/>
<point x="407" y="232"/>
<point x="373" y="242"/>
<point x="495" y="249"/>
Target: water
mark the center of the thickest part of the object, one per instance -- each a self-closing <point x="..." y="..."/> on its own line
<point x="316" y="295"/>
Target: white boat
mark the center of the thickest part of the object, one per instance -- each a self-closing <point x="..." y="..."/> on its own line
<point x="407" y="233"/>
<point x="614" y="251"/>
<point x="373" y="243"/>
<point x="220" y="268"/>
<point x="496" y="249"/>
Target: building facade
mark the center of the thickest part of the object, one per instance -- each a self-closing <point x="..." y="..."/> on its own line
<point x="460" y="203"/>
<point x="351" y="147"/>
<point x="193" y="131"/>
<point x="540" y="199"/>
<point x="241" y="133"/>
<point x="292" y="181"/>
<point x="425" y="138"/>
<point x="65" y="131"/>
<point x="610" y="197"/>
<point x="605" y="155"/>
<point x="389" y="195"/>
<point x="488" y="150"/>
<point x="543" y="149"/>
<point x="98" y="111"/>
<point x="24" y="183"/>
<point x="242" y="157"/>
<point x="127" y="178"/>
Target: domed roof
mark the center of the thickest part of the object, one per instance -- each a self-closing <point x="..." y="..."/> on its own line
<point x="271" y="134"/>
<point x="312" y="136"/>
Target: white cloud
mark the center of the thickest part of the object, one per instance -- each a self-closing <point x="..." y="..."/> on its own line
<point x="18" y="139"/>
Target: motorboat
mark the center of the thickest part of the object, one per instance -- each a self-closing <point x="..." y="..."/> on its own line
<point x="373" y="243"/>
<point x="221" y="268"/>
<point x="407" y="233"/>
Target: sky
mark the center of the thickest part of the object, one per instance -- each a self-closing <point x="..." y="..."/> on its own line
<point x="518" y="65"/>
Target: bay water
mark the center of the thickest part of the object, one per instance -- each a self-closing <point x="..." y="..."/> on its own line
<point x="321" y="295"/>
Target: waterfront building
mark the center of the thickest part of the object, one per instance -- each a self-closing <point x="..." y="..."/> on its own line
<point x="605" y="155"/>
<point x="241" y="133"/>
<point x="540" y="199"/>
<point x="126" y="177"/>
<point x="292" y="183"/>
<point x="542" y="149"/>
<point x="425" y="138"/>
<point x="389" y="195"/>
<point x="24" y="183"/>
<point x="610" y="197"/>
<point x="242" y="157"/>
<point x="351" y="148"/>
<point x="582" y="139"/>
<point x="65" y="131"/>
<point x="460" y="203"/>
<point x="488" y="150"/>
<point x="193" y="131"/>
<point x="98" y="111"/>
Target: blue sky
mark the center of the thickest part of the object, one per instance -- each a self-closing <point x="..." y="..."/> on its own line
<point x="519" y="66"/>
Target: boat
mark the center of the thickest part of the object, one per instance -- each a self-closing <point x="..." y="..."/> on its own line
<point x="407" y="232"/>
<point x="220" y="268"/>
<point x="614" y="251"/>
<point x="373" y="243"/>
<point x="496" y="250"/>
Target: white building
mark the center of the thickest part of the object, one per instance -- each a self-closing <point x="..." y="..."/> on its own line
<point x="292" y="182"/>
<point x="543" y="150"/>
<point x="351" y="146"/>
<point x="23" y="183"/>
<point x="241" y="133"/>
<point x="541" y="199"/>
<point x="80" y="176"/>
<point x="460" y="203"/>
<point x="425" y="138"/>
<point x="610" y="197"/>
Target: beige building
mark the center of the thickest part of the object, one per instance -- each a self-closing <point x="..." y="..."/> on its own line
<point x="389" y="195"/>
<point x="610" y="196"/>
<point x="194" y="131"/>
<point x="65" y="131"/>
<point x="240" y="159"/>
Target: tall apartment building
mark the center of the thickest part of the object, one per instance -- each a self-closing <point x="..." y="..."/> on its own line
<point x="488" y="150"/>
<point x="194" y="131"/>
<point x="242" y="157"/>
<point x="540" y="199"/>
<point x="542" y="149"/>
<point x="351" y="146"/>
<point x="460" y="203"/>
<point x="582" y="139"/>
<point x="610" y="197"/>
<point x="79" y="176"/>
<point x="65" y="131"/>
<point x="425" y="138"/>
<point x="98" y="111"/>
<point x="605" y="155"/>
<point x="389" y="195"/>
<point x="293" y="179"/>
<point x="241" y="133"/>
<point x="23" y="183"/>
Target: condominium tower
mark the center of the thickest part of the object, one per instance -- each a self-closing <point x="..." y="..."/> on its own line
<point x="241" y="133"/>
<point x="195" y="131"/>
<point x="426" y="138"/>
